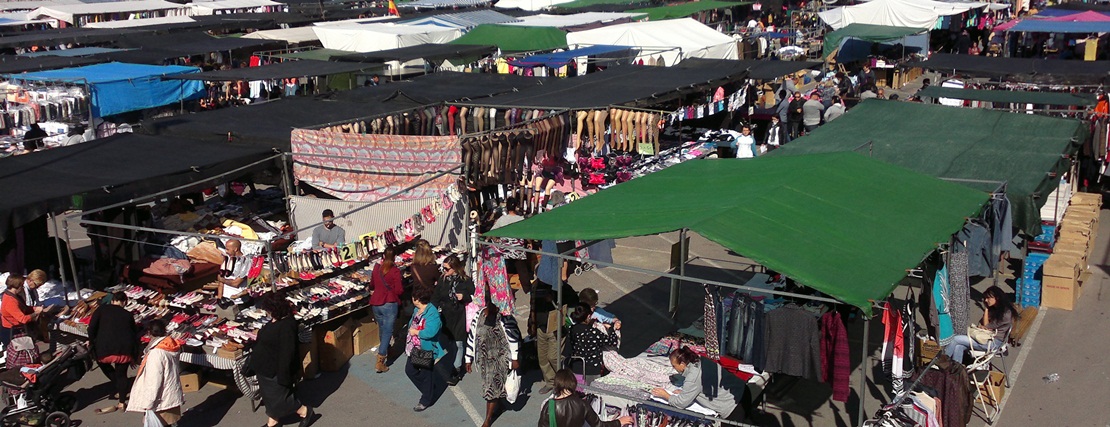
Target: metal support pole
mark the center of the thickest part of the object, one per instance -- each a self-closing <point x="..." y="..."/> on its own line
<point x="863" y="366"/>
<point x="683" y="255"/>
<point x="58" y="246"/>
<point x="290" y="191"/>
<point x="72" y="262"/>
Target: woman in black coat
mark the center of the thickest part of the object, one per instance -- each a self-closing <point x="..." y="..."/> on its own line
<point x="114" y="340"/>
<point x="452" y="293"/>
<point x="274" y="360"/>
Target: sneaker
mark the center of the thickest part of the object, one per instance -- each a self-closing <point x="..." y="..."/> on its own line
<point x="419" y="407"/>
<point x="546" y="389"/>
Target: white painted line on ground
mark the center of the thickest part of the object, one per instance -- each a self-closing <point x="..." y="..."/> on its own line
<point x="1026" y="348"/>
<point x="467" y="406"/>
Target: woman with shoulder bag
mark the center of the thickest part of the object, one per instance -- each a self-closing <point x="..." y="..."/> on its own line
<point x="998" y="317"/>
<point x="423" y="348"/>
<point x="15" y="316"/>
<point x="451" y="295"/>
<point x="385" y="299"/>
<point x="157" y="385"/>
<point x="278" y="369"/>
<point x="566" y="408"/>
<point x="114" y="339"/>
<point x="493" y="344"/>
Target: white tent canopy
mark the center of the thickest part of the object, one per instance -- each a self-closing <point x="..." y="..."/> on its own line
<point x="685" y="37"/>
<point x="563" y="21"/>
<point x="216" y="6"/>
<point x="358" y="21"/>
<point x="375" y="37"/>
<point x="288" y="35"/>
<point x="132" y="23"/>
<point x="896" y="13"/>
<point x="529" y="5"/>
<point x="69" y="12"/>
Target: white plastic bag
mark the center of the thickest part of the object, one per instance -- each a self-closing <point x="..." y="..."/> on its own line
<point x="151" y="419"/>
<point x="512" y="386"/>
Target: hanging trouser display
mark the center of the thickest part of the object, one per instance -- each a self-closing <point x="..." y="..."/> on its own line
<point x="959" y="291"/>
<point x="712" y="342"/>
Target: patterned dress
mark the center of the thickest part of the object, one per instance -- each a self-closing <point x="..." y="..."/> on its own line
<point x="492" y="359"/>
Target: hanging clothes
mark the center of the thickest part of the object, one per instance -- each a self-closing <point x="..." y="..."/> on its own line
<point x="950" y="380"/>
<point x="959" y="290"/>
<point x="909" y="335"/>
<point x="977" y="240"/>
<point x="793" y="342"/>
<point x="548" y="269"/>
<point x="712" y="338"/>
<point x="836" y="368"/>
<point x="940" y="300"/>
<point x="494" y="278"/>
<point x="893" y="350"/>
<point x="746" y="335"/>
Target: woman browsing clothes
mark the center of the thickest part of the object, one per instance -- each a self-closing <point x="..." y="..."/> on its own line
<point x="704" y="382"/>
<point x="566" y="408"/>
<point x="998" y="317"/>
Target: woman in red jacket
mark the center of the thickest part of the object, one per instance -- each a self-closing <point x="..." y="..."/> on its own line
<point x="15" y="315"/>
<point x="385" y="293"/>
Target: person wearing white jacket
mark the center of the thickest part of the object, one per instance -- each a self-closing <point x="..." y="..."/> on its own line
<point x="157" y="386"/>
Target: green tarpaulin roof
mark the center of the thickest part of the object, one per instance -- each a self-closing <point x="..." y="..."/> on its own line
<point x="962" y="143"/>
<point x="841" y="223"/>
<point x="1010" y="96"/>
<point x="512" y="38"/>
<point x="683" y="10"/>
<point x="867" y="32"/>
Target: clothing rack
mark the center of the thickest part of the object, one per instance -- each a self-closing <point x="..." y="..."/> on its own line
<point x="660" y="405"/>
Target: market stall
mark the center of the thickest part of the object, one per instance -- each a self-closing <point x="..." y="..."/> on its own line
<point x="381" y="36"/>
<point x="790" y="219"/>
<point x="691" y="38"/>
<point x="512" y="38"/>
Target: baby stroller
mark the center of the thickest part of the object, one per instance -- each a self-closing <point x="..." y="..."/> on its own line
<point x="36" y="399"/>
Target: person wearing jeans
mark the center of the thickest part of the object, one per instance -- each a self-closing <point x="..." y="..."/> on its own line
<point x="998" y="317"/>
<point x="385" y="298"/>
<point x="451" y="295"/>
<point x="424" y="333"/>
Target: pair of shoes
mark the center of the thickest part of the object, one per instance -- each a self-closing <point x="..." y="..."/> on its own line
<point x="308" y="416"/>
<point x="454" y="380"/>
<point x="381" y="366"/>
<point x="419" y="407"/>
<point x="544" y="390"/>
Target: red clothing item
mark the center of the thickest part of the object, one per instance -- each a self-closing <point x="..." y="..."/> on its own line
<point x="385" y="288"/>
<point x="14" y="312"/>
<point x="835" y="366"/>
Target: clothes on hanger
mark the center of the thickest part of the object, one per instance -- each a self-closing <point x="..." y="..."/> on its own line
<point x="793" y="342"/>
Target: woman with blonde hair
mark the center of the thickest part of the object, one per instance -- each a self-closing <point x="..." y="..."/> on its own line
<point x="425" y="271"/>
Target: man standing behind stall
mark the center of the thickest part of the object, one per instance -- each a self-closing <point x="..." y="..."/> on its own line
<point x="328" y="235"/>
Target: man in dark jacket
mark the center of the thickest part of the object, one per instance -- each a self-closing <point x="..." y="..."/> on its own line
<point x="794" y="116"/>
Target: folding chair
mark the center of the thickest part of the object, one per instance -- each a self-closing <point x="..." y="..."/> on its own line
<point x="979" y="371"/>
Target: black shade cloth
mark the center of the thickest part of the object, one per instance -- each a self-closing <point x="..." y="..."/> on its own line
<point x="20" y="64"/>
<point x="188" y="43"/>
<point x="768" y="70"/>
<point x="428" y="52"/>
<point x="269" y="124"/>
<point x="281" y="70"/>
<point x="625" y="85"/>
<point x="1031" y="70"/>
<point x="65" y="36"/>
<point x="107" y="171"/>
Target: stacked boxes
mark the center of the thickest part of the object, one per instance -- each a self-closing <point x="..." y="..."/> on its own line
<point x="1067" y="268"/>
<point x="1029" y="284"/>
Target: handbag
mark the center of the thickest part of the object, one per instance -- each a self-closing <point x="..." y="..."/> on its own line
<point x="512" y="386"/>
<point x="422" y="359"/>
<point x="23" y="343"/>
<point x="980" y="335"/>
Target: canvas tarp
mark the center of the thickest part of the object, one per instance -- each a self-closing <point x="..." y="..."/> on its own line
<point x="572" y="20"/>
<point x="596" y="4"/>
<point x="132" y="23"/>
<point x="119" y="88"/>
<point x="686" y="37"/>
<point x="1026" y="151"/>
<point x="559" y="59"/>
<point x="313" y="54"/>
<point x="840" y="223"/>
<point x="18" y="64"/>
<point x="217" y="6"/>
<point x="529" y="5"/>
<point x="427" y="52"/>
<point x="510" y="38"/>
<point x="375" y="37"/>
<point x="109" y="170"/>
<point x="69" y="12"/>
<point x="1033" y="70"/>
<point x="1045" y="26"/>
<point x="375" y="167"/>
<point x="280" y="70"/>
<point x="464" y="20"/>
<point x="288" y="35"/>
<point x="683" y="10"/>
<point x="63" y="36"/>
<point x="921" y="14"/>
<point x="1010" y="96"/>
<point x="866" y="32"/>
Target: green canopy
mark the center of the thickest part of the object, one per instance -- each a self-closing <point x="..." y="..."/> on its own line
<point x="683" y="10"/>
<point x="512" y="38"/>
<point x="1026" y="151"/>
<point x="841" y="223"/>
<point x="1010" y="96"/>
<point x="867" y="32"/>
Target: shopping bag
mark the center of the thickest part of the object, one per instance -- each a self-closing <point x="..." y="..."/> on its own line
<point x="512" y="386"/>
<point x="151" y="419"/>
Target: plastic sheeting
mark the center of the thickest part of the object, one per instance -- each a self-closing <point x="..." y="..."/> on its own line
<point x="132" y="23"/>
<point x="840" y="223"/>
<point x="214" y="7"/>
<point x="896" y="13"/>
<point x="375" y="37"/>
<point x="1069" y="27"/>
<point x="288" y="35"/>
<point x="686" y="37"/>
<point x="559" y="59"/>
<point x="572" y="20"/>
<point x="68" y="12"/>
<point x="464" y="20"/>
<point x="119" y="88"/>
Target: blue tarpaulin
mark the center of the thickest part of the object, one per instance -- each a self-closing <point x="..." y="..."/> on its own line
<point x="119" y="88"/>
<point x="559" y="59"/>
<point x="1041" y="26"/>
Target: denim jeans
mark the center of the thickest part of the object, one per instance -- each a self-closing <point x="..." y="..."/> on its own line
<point x="959" y="345"/>
<point x="431" y="383"/>
<point x="386" y="315"/>
<point x="460" y="353"/>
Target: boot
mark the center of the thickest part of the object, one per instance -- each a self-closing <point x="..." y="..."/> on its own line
<point x="380" y="366"/>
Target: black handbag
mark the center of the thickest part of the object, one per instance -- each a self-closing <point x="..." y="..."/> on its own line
<point x="422" y="359"/>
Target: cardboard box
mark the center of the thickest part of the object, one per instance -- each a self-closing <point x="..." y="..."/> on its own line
<point x="310" y="358"/>
<point x="365" y="336"/>
<point x="1062" y="265"/>
<point x="1059" y="292"/>
<point x="336" y="347"/>
<point x="1090" y="199"/>
<point x="927" y="350"/>
<point x="229" y="354"/>
<point x="993" y="389"/>
<point x="1073" y="249"/>
<point x="191" y="382"/>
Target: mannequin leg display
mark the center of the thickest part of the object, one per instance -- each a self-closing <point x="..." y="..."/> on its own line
<point x="486" y="162"/>
<point x="600" y="116"/>
<point x="615" y="129"/>
<point x="591" y="129"/>
<point x="477" y="117"/>
<point x="463" y="118"/>
<point x="653" y="130"/>
<point x="580" y="131"/>
<point x="492" y="119"/>
<point x="389" y="125"/>
<point x="630" y="131"/>
<point x="643" y="126"/>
